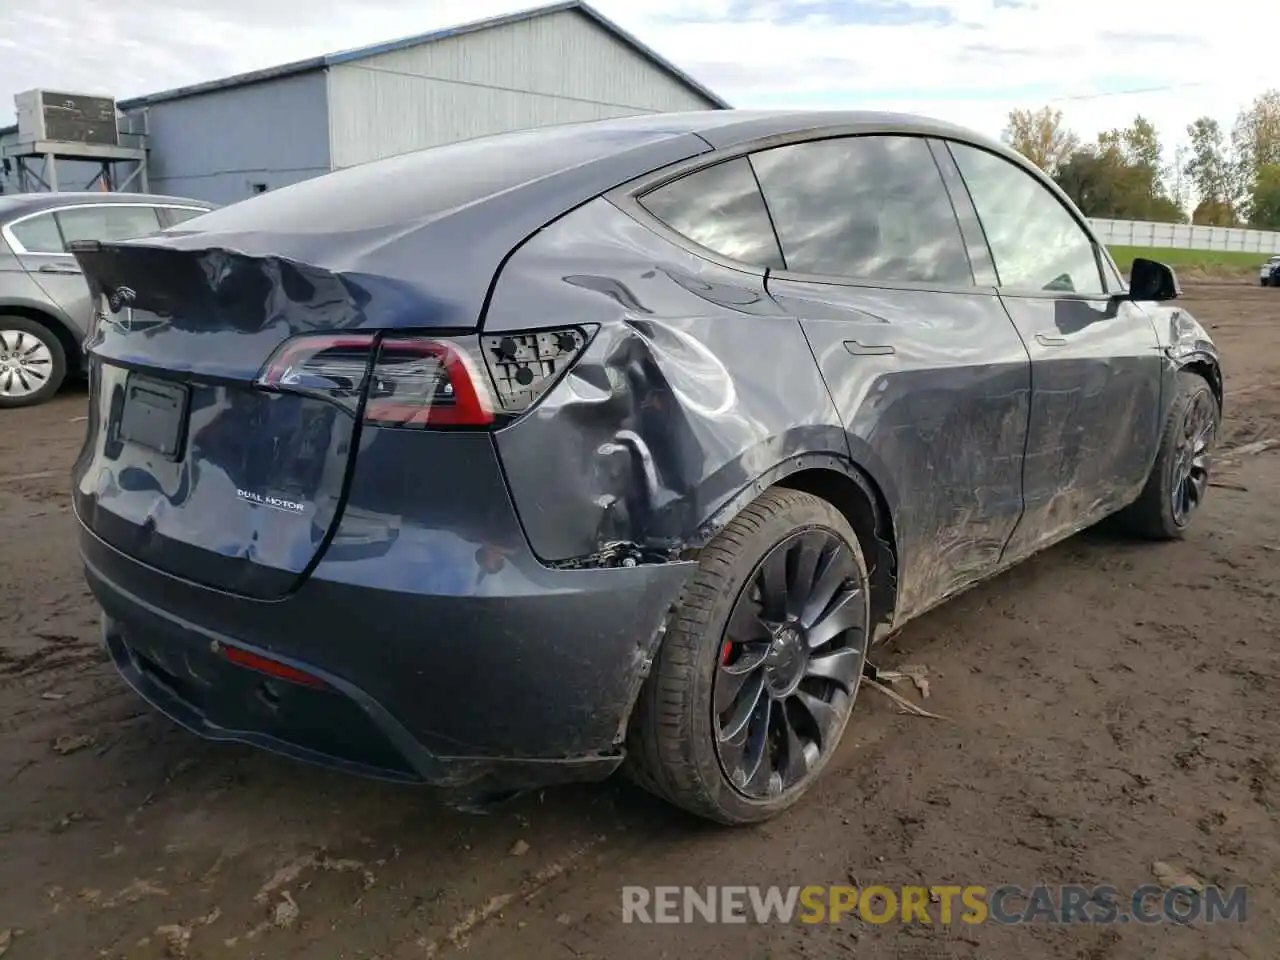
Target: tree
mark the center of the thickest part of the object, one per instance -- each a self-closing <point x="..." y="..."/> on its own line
<point x="1264" y="200"/>
<point x="1041" y="137"/>
<point x="1142" y="147"/>
<point x="1257" y="133"/>
<point x="1215" y="171"/>
<point x="1121" y="176"/>
<point x="1256" y="140"/>
<point x="1215" y="213"/>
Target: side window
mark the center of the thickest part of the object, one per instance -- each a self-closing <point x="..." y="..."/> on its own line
<point x="720" y="208"/>
<point x="108" y="222"/>
<point x="1036" y="243"/>
<point x="872" y="208"/>
<point x="172" y="216"/>
<point x="38" y="235"/>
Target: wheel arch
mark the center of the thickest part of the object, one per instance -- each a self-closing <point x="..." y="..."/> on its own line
<point x="855" y="493"/>
<point x="1204" y="365"/>
<point x="56" y="325"/>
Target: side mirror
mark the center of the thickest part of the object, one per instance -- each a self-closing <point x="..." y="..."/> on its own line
<point x="1152" y="280"/>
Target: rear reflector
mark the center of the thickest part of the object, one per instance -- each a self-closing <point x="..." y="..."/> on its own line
<point x="411" y="381"/>
<point x="272" y="668"/>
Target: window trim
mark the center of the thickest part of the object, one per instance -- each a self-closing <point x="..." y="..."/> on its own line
<point x="627" y="199"/>
<point x="1054" y="191"/>
<point x="19" y="250"/>
<point x="706" y="253"/>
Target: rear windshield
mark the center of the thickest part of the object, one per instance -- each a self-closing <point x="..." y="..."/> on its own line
<point x="424" y="184"/>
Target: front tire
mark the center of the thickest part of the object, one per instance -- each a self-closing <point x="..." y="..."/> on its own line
<point x="756" y="678"/>
<point x="32" y="362"/>
<point x="1179" y="479"/>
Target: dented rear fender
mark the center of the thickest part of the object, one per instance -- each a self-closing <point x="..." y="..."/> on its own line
<point x="695" y="390"/>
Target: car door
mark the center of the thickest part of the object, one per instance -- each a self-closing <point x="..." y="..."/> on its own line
<point x="1095" y="358"/>
<point x="928" y="373"/>
<point x="41" y="247"/>
<point x="37" y="243"/>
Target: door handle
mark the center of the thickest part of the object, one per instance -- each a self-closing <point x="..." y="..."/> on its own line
<point x="1050" y="340"/>
<point x="868" y="350"/>
<point x="51" y="268"/>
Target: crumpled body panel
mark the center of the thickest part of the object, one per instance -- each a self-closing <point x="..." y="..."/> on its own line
<point x="694" y="386"/>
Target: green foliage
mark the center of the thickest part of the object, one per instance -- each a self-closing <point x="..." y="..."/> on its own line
<point x="1234" y="177"/>
<point x="1041" y="137"/>
<point x="1264" y="202"/>
<point x="1121" y="177"/>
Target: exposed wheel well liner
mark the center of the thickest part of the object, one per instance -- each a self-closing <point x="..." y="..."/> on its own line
<point x="858" y="498"/>
<point x="1210" y="372"/>
<point x="851" y="491"/>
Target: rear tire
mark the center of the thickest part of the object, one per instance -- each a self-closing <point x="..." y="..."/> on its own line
<point x="678" y="747"/>
<point x="32" y="362"/>
<point x="1179" y="478"/>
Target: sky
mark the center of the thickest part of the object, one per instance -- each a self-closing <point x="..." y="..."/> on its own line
<point x="966" y="61"/>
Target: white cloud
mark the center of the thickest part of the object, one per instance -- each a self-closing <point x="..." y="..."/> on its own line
<point x="969" y="61"/>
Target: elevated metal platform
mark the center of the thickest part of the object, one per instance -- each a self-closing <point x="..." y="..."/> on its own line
<point x="45" y="154"/>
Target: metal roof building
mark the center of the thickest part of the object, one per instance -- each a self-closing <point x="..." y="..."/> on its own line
<point x="227" y="139"/>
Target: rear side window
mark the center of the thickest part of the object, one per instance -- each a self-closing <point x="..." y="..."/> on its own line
<point x="38" y="235"/>
<point x="720" y="208"/>
<point x="1035" y="241"/>
<point x="107" y="222"/>
<point x="870" y="208"/>
<point x="172" y="216"/>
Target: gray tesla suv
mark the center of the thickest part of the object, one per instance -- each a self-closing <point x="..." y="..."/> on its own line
<point x="44" y="302"/>
<point x="523" y="459"/>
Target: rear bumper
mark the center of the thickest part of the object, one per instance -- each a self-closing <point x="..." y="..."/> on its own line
<point x="530" y="683"/>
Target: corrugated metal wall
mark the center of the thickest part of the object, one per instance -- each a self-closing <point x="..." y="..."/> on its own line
<point x="552" y="69"/>
<point x="215" y="146"/>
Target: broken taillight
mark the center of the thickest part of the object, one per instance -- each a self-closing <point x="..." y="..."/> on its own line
<point x="410" y="381"/>
<point x="525" y="365"/>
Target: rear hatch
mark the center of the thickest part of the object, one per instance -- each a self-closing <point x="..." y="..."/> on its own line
<point x="235" y="364"/>
<point x="192" y="464"/>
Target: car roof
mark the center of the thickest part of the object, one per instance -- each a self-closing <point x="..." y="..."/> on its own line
<point x="439" y="222"/>
<point x="18" y="204"/>
<point x="727" y="128"/>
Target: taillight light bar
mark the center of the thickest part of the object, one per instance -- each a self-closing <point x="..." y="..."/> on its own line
<point x="419" y="381"/>
<point x="409" y="381"/>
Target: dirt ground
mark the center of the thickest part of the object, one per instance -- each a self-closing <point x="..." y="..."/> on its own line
<point x="1109" y="705"/>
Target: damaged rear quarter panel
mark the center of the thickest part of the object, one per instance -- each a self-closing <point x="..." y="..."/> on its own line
<point x="694" y="385"/>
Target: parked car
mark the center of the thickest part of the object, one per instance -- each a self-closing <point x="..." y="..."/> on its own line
<point x="44" y="302"/>
<point x="1266" y="271"/>
<point x="518" y="460"/>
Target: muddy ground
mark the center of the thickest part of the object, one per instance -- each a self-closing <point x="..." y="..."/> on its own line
<point x="1109" y="705"/>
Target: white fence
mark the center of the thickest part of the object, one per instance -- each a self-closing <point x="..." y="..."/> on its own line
<point x="1139" y="233"/>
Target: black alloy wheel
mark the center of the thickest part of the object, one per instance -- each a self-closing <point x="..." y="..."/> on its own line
<point x="1191" y="458"/>
<point x="790" y="661"/>
<point x="1178" y="482"/>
